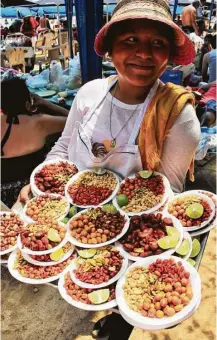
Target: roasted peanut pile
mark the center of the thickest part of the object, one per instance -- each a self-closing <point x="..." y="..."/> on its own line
<point x="10" y="227"/>
<point x="46" y="258"/>
<point x="89" y="178"/>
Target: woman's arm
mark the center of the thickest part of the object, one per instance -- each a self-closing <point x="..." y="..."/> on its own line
<point x="179" y="148"/>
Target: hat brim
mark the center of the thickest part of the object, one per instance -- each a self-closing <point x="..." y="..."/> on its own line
<point x="183" y="51"/>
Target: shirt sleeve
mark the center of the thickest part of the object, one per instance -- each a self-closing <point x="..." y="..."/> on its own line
<point x="179" y="148"/>
<point x="60" y="149"/>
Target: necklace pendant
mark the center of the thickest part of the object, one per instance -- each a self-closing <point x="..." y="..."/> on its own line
<point x="113" y="143"/>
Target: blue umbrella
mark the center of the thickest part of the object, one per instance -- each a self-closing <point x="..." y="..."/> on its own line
<point x="13" y="12"/>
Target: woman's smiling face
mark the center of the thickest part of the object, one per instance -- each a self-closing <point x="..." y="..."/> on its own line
<point x="140" y="51"/>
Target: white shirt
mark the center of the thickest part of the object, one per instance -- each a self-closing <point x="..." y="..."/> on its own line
<point x="179" y="146"/>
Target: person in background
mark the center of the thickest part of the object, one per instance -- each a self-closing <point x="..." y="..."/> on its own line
<point x="15" y="26"/>
<point x="29" y="26"/>
<point x="24" y="130"/>
<point x="179" y="20"/>
<point x="209" y="63"/>
<point x="204" y="49"/>
<point x="189" y="16"/>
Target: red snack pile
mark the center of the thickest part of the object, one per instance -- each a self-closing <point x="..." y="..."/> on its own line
<point x="10" y="227"/>
<point x="52" y="178"/>
<point x="143" y="234"/>
<point x="104" y="265"/>
<point x="81" y="294"/>
<point x="92" y="189"/>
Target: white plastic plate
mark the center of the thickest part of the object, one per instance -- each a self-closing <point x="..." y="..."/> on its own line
<point x="157" y="206"/>
<point x="81" y="305"/>
<point x="104" y="284"/>
<point x="176" y="224"/>
<point x="137" y="320"/>
<point x="15" y="273"/>
<point x="9" y="250"/>
<point x="76" y="177"/>
<point x="87" y="245"/>
<point x="28" y="218"/>
<point x="42" y="252"/>
<point x="205" y="198"/>
<point x="34" y="188"/>
<point x="50" y="263"/>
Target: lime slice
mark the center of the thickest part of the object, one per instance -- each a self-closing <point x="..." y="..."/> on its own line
<point x="99" y="296"/>
<point x="109" y="208"/>
<point x="171" y="231"/>
<point x="145" y="173"/>
<point x="168" y="242"/>
<point x="122" y="200"/>
<point x="184" y="248"/>
<point x="195" y="248"/>
<point x="195" y="210"/>
<point x="57" y="255"/>
<point x="87" y="253"/>
<point x="65" y="220"/>
<point x="191" y="261"/>
<point x="72" y="211"/>
<point x="99" y="171"/>
<point x="53" y="235"/>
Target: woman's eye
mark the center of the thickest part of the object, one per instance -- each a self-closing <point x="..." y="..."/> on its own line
<point x="158" y="42"/>
<point x="130" y="39"/>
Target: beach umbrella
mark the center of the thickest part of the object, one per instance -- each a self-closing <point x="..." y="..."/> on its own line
<point x="14" y="12"/>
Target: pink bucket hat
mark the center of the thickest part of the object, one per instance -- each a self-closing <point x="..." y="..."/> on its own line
<point x="156" y="10"/>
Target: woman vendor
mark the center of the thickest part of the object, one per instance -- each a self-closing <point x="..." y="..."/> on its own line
<point x="134" y="121"/>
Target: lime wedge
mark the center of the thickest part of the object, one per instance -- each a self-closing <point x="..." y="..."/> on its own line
<point x="57" y="255"/>
<point x="122" y="200"/>
<point x="168" y="242"/>
<point x="171" y="231"/>
<point x="87" y="253"/>
<point x="99" y="171"/>
<point x="109" y="208"/>
<point x="99" y="296"/>
<point x="191" y="261"/>
<point x="65" y="220"/>
<point x="195" y="210"/>
<point x="195" y="248"/>
<point x="72" y="211"/>
<point x="53" y="235"/>
<point x="145" y="173"/>
<point x="184" y="248"/>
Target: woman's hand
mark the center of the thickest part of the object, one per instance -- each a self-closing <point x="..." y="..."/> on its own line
<point x="24" y="194"/>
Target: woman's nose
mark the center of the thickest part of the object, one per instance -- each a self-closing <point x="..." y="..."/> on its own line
<point x="144" y="51"/>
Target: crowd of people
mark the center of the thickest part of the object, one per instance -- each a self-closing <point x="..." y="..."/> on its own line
<point x="125" y="123"/>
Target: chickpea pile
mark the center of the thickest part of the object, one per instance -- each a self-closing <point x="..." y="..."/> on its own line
<point x="92" y="189"/>
<point x="161" y="290"/>
<point x="31" y="271"/>
<point x="35" y="236"/>
<point x="178" y="209"/>
<point x="81" y="294"/>
<point x="10" y="227"/>
<point x="96" y="226"/>
<point x="46" y="207"/>
<point x="52" y="178"/>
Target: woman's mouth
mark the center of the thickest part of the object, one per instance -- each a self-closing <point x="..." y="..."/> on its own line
<point x="144" y="68"/>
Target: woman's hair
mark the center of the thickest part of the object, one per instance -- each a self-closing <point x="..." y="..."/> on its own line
<point x="213" y="42"/>
<point x="120" y="27"/>
<point x="27" y="25"/>
<point x="14" y="95"/>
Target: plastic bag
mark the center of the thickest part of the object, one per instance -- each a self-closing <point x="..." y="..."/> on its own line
<point x="36" y="82"/>
<point x="56" y="76"/>
<point x="207" y="141"/>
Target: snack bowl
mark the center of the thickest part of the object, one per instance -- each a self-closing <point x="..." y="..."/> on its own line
<point x="91" y="171"/>
<point x="14" y="246"/>
<point x="74" y="241"/>
<point x="12" y="262"/>
<point x="103" y="284"/>
<point x="145" y="322"/>
<point x="68" y="253"/>
<point x="35" y="189"/>
<point x="200" y="197"/>
<point x="167" y="192"/>
<point x="29" y="251"/>
<point x="79" y="304"/>
<point x="49" y="198"/>
<point x="175" y="223"/>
